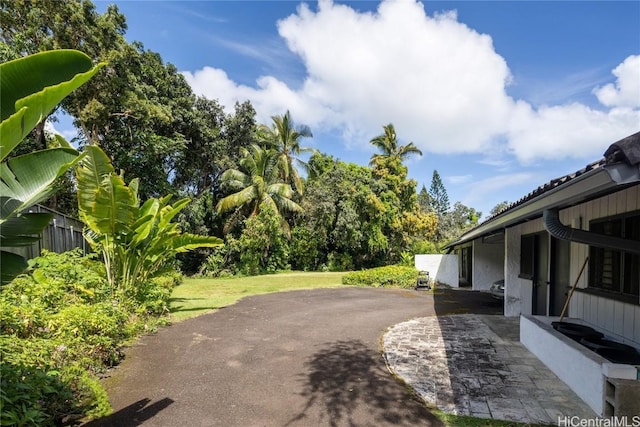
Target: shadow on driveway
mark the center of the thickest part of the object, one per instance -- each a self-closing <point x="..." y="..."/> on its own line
<point x="133" y="415"/>
<point x="346" y="376"/>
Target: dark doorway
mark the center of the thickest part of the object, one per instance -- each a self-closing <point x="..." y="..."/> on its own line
<point x="540" y="274"/>
<point x="560" y="258"/>
<point x="466" y="266"/>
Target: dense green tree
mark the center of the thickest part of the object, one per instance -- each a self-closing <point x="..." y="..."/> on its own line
<point x="213" y="141"/>
<point x="263" y="246"/>
<point x="138" y="113"/>
<point x="257" y="183"/>
<point x="357" y="216"/>
<point x="285" y="137"/>
<point x="457" y="221"/>
<point x="499" y="208"/>
<point x="424" y="200"/>
<point x="33" y="26"/>
<point x="138" y="109"/>
<point x="387" y="143"/>
<point x="336" y="214"/>
<point x="438" y="194"/>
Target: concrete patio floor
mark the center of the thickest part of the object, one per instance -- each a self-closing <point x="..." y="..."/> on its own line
<point x="472" y="364"/>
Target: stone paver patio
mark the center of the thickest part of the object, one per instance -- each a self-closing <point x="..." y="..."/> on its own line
<point x="460" y="365"/>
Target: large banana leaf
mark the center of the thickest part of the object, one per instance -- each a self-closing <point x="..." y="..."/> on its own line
<point x="105" y="202"/>
<point x="23" y="230"/>
<point x="26" y="180"/>
<point x="12" y="265"/>
<point x="20" y="230"/>
<point x="32" y="86"/>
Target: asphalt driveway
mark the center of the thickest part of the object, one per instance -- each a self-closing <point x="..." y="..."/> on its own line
<point x="302" y="358"/>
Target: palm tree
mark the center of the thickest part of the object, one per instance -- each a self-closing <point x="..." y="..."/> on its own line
<point x="388" y="144"/>
<point x="285" y="139"/>
<point x="257" y="181"/>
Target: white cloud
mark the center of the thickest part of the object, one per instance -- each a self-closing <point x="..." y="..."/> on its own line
<point x="458" y="179"/>
<point x="441" y="83"/>
<point x="626" y="91"/>
<point x="571" y="130"/>
<point x="67" y="134"/>
<point x="494" y="187"/>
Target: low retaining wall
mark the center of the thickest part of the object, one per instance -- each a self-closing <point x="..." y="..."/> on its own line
<point x="581" y="369"/>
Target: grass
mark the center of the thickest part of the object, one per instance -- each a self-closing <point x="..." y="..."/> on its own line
<point x="198" y="296"/>
<point x="450" y="420"/>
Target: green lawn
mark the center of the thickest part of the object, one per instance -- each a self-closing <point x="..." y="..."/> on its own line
<point x="198" y="296"/>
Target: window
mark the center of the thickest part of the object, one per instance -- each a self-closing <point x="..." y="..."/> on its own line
<point x="527" y="253"/>
<point x="616" y="271"/>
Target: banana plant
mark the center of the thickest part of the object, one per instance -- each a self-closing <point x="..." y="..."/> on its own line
<point x="136" y="242"/>
<point x="30" y="88"/>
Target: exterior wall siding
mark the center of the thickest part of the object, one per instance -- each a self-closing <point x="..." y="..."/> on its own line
<point x="615" y="318"/>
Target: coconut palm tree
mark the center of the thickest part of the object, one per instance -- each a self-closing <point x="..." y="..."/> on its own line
<point x="258" y="181"/>
<point x="285" y="139"/>
<point x="387" y="143"/>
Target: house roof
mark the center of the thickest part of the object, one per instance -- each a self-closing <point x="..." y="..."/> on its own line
<point x="619" y="166"/>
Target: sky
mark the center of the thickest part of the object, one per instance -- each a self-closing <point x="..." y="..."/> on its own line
<point x="500" y="96"/>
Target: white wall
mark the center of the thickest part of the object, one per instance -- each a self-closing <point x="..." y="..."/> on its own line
<point x="578" y="369"/>
<point x="441" y="268"/>
<point x="512" y="283"/>
<point x="488" y="264"/>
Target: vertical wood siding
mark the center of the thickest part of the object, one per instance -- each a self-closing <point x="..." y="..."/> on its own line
<point x="614" y="317"/>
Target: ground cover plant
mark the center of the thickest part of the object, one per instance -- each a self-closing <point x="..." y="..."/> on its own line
<point x="59" y="330"/>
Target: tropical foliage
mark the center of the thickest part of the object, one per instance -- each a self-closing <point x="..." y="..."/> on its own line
<point x="258" y="182"/>
<point x="285" y="139"/>
<point x="153" y="127"/>
<point x="136" y="241"/>
<point x="31" y="87"/>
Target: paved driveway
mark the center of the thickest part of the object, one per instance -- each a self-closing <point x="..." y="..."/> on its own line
<point x="300" y="358"/>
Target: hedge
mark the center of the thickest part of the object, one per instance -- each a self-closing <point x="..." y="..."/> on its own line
<point x="392" y="276"/>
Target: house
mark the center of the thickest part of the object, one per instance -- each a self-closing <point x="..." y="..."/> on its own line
<point x="574" y="241"/>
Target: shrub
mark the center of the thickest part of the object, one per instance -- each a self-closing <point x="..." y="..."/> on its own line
<point x="93" y="333"/>
<point x="59" y="327"/>
<point x="339" y="262"/>
<point x="153" y="296"/>
<point x="214" y="265"/>
<point x="390" y="276"/>
<point x="58" y="280"/>
<point x="38" y="386"/>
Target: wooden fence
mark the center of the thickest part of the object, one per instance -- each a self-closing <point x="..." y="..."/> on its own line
<point x="63" y="234"/>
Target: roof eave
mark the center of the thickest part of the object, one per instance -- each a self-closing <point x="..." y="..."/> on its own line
<point x="580" y="189"/>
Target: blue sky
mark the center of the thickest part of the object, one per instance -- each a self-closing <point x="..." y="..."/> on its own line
<point x="501" y="96"/>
